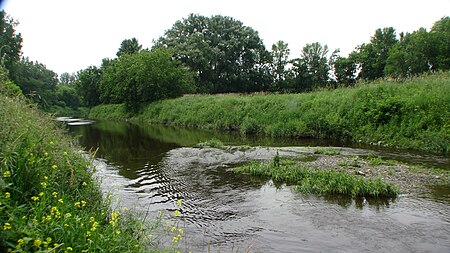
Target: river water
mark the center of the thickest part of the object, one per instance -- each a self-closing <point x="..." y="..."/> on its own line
<point x="151" y="167"/>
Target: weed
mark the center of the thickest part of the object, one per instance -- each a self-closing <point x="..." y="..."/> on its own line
<point x="213" y="143"/>
<point x="326" y="151"/>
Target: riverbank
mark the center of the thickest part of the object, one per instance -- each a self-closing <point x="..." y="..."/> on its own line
<point x="49" y="199"/>
<point x="411" y="114"/>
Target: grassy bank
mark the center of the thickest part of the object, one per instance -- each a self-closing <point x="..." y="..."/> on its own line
<point x="414" y="114"/>
<point x="309" y="179"/>
<point x="49" y="201"/>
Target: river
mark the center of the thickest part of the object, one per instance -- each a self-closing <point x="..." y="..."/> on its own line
<point x="151" y="167"/>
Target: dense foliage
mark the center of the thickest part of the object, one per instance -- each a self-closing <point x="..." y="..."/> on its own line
<point x="144" y="77"/>
<point x="226" y="55"/>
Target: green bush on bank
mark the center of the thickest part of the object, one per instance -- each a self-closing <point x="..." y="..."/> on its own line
<point x="319" y="181"/>
<point x="49" y="201"/>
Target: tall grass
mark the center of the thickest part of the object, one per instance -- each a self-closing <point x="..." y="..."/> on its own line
<point x="49" y="200"/>
<point x="309" y="179"/>
<point x="413" y="114"/>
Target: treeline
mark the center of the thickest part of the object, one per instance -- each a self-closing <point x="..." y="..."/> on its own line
<point x="219" y="54"/>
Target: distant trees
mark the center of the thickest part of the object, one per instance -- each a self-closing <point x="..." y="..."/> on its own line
<point x="129" y="46"/>
<point x="88" y="85"/>
<point x="421" y="51"/>
<point x="35" y="80"/>
<point x="279" y="65"/>
<point x="225" y="55"/>
<point x="10" y="41"/>
<point x="219" y="54"/>
<point x="135" y="79"/>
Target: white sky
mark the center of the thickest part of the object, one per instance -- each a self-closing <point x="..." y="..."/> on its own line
<point x="70" y="35"/>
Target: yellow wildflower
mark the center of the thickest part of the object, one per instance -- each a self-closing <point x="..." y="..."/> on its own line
<point x="176" y="213"/>
<point x="7" y="173"/>
<point x="65" y="153"/>
<point x="83" y="203"/>
<point x="84" y="184"/>
<point x="180" y="231"/>
<point x="35" y="198"/>
<point x="175" y="240"/>
<point x="46" y="154"/>
<point x="6" y="226"/>
<point x="21" y="242"/>
<point x="41" y="194"/>
<point x="173" y="229"/>
<point x="60" y="201"/>
<point x="68" y="215"/>
<point x="54" y="194"/>
<point x="69" y="249"/>
<point x="7" y="195"/>
<point x="54" y="166"/>
<point x="179" y="202"/>
<point x="77" y="204"/>
<point x="51" y="143"/>
<point x="44" y="185"/>
<point x="37" y="243"/>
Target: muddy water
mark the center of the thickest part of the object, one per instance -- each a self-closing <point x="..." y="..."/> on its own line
<point x="227" y="212"/>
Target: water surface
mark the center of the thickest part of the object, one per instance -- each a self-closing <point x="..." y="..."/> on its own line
<point x="223" y="211"/>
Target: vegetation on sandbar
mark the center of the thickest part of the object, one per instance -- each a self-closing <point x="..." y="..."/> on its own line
<point x="309" y="179"/>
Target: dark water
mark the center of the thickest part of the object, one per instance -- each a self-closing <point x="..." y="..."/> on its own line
<point x="227" y="212"/>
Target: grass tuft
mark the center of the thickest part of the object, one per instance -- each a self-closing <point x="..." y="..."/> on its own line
<point x="314" y="180"/>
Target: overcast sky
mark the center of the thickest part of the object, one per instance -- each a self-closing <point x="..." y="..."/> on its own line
<point x="70" y="35"/>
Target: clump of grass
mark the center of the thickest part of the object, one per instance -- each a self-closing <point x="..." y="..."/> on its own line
<point x="213" y="143"/>
<point x="326" y="151"/>
<point x="374" y="160"/>
<point x="319" y="181"/>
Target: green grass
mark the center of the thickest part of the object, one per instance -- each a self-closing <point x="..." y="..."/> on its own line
<point x="213" y="143"/>
<point x="413" y="114"/>
<point x="326" y="151"/>
<point x="49" y="201"/>
<point x="319" y="181"/>
<point x="109" y="112"/>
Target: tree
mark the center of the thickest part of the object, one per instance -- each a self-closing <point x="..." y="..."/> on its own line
<point x="225" y="55"/>
<point x="88" y="85"/>
<point x="129" y="46"/>
<point x="344" y="70"/>
<point x="371" y="57"/>
<point x="144" y="77"/>
<point x="35" y="80"/>
<point x="280" y="54"/>
<point x="312" y="68"/>
<point x="439" y="37"/>
<point x="10" y="41"/>
<point x="67" y="79"/>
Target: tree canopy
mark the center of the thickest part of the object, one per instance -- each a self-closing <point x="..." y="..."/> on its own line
<point x="225" y="55"/>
